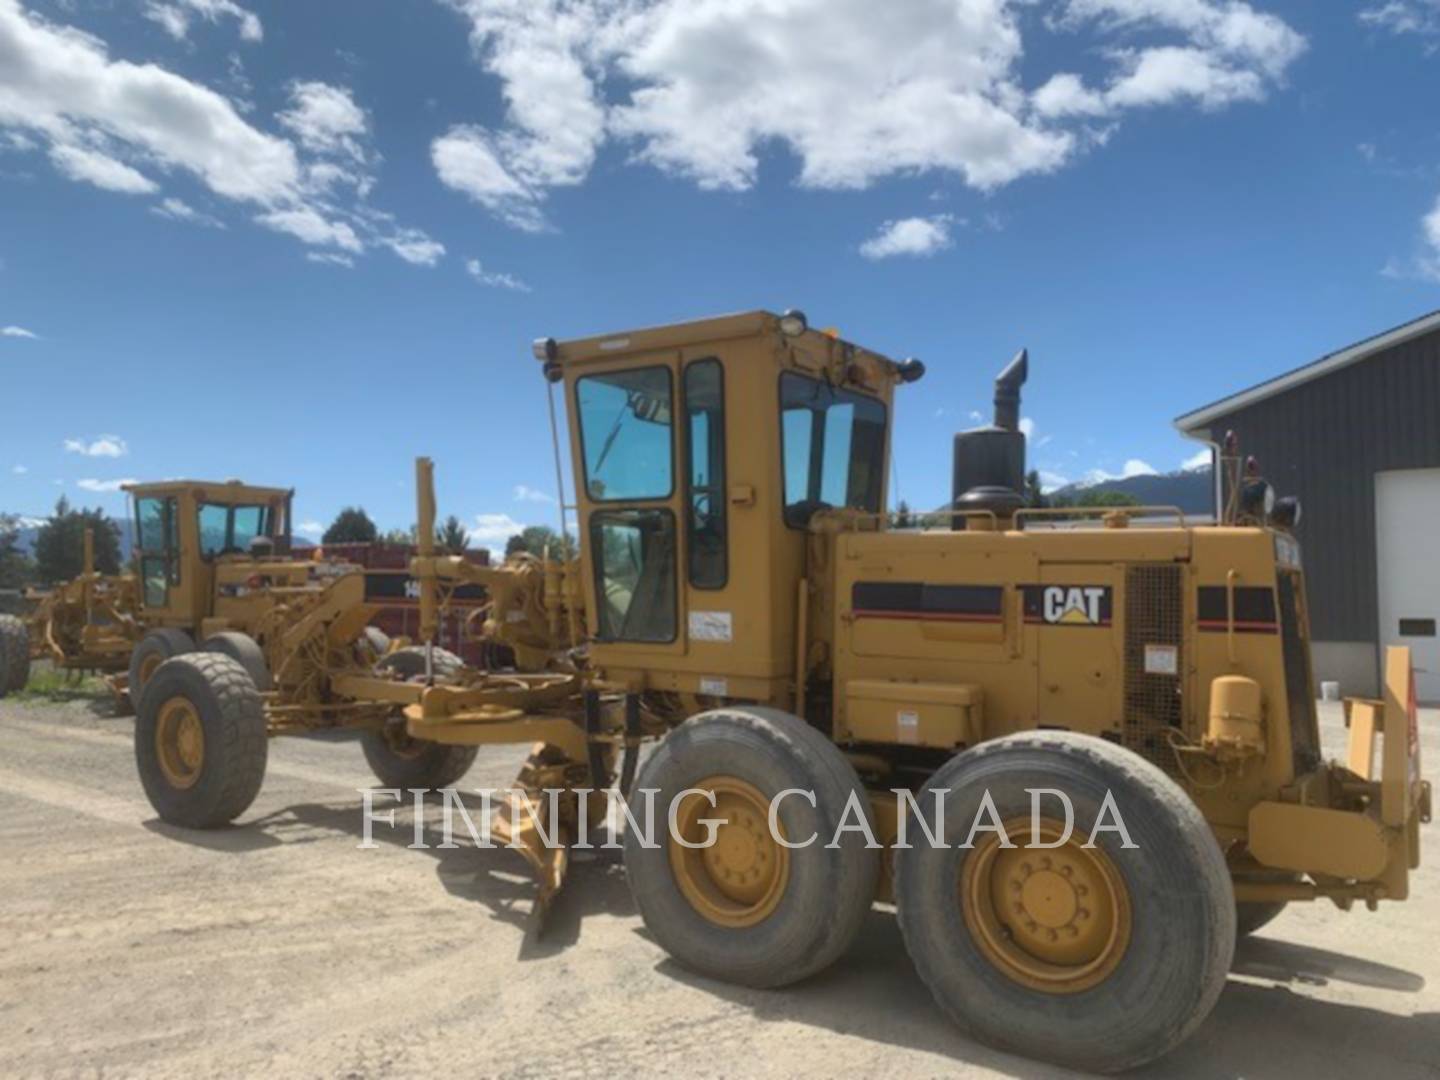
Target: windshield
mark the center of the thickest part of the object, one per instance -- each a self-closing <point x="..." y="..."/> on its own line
<point x="834" y="448"/>
<point x="228" y="530"/>
<point x="625" y="434"/>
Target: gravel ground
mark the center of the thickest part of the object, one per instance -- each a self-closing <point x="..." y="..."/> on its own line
<point x="128" y="948"/>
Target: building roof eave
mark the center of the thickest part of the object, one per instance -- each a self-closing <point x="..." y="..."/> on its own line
<point x="1195" y="421"/>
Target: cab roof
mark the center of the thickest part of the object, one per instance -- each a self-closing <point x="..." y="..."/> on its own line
<point x="694" y="332"/>
<point x="219" y="491"/>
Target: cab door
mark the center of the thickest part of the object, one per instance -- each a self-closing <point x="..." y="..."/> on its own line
<point x="628" y="499"/>
<point x="157" y="524"/>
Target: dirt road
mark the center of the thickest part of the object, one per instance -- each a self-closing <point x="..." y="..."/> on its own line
<point x="128" y="948"/>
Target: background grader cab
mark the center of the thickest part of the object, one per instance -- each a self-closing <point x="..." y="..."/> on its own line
<point x="1077" y="760"/>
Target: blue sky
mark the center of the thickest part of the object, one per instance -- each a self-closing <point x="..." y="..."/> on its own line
<point x="301" y="243"/>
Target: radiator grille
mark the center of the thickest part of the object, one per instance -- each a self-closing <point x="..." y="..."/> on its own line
<point x="1154" y="615"/>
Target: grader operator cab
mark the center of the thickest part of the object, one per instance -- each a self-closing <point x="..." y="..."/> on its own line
<point x="1077" y="760"/>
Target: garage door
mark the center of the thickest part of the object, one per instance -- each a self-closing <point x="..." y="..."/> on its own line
<point x="1407" y="524"/>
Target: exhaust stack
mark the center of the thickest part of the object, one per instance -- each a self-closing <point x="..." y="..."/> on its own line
<point x="989" y="462"/>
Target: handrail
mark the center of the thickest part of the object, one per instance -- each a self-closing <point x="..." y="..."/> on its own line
<point x="1099" y="511"/>
<point x="854" y="516"/>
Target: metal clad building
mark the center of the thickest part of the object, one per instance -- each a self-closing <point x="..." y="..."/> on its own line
<point x="1356" y="435"/>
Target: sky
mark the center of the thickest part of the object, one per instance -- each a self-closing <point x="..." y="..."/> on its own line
<point x="303" y="243"/>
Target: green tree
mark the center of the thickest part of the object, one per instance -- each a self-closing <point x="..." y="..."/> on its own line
<point x="452" y="536"/>
<point x="351" y="526"/>
<point x="540" y="539"/>
<point x="60" y="543"/>
<point x="1034" y="494"/>
<point x="1106" y="498"/>
<point x="903" y="518"/>
<point x="16" y="568"/>
<point x="398" y="537"/>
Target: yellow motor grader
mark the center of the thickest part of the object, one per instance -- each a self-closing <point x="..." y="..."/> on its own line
<point x="1078" y="756"/>
<point x="215" y="578"/>
<point x="87" y="624"/>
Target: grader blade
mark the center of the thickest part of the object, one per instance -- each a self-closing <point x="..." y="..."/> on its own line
<point x="516" y="827"/>
<point x="540" y="828"/>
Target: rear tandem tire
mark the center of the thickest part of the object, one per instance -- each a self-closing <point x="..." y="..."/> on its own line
<point x="399" y="761"/>
<point x="245" y="651"/>
<point x="1099" y="959"/>
<point x="200" y="740"/>
<point x="14" y="654"/>
<point x="409" y="663"/>
<point x="747" y="910"/>
<point x="154" y="649"/>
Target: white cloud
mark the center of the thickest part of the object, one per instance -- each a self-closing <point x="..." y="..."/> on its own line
<point x="1050" y="481"/>
<point x="121" y="125"/>
<point x="326" y="120"/>
<point x="697" y="88"/>
<point x="494" y="528"/>
<point x="1404" y="16"/>
<point x="977" y="416"/>
<point x="1132" y="467"/>
<point x="330" y="258"/>
<point x="174" y="17"/>
<point x="1229" y="53"/>
<point x="465" y="159"/>
<point x="494" y="278"/>
<point x="1201" y="459"/>
<point x="1027" y="427"/>
<point x="17" y="332"/>
<point x="111" y="446"/>
<point x="308" y="225"/>
<point x="180" y="210"/>
<point x="310" y="528"/>
<point x="60" y="84"/>
<point x="94" y="167"/>
<point x="415" y="247"/>
<point x="910" y="236"/>
<point x="1432" y="227"/>
<point x="1066" y="95"/>
<point x="104" y="486"/>
<point x="529" y="494"/>
<point x="20" y="470"/>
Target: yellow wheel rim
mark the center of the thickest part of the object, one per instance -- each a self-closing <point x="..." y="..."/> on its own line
<point x="738" y="880"/>
<point x="1053" y="919"/>
<point x="148" y="664"/>
<point x="180" y="742"/>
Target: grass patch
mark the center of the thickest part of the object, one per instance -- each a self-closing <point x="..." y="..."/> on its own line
<point x="56" y="686"/>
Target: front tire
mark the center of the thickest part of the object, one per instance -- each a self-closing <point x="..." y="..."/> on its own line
<point x="747" y="909"/>
<point x="1099" y="958"/>
<point x="200" y="740"/>
<point x="14" y="654"/>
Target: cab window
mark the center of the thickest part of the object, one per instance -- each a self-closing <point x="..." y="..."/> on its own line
<point x="705" y="453"/>
<point x="634" y="574"/>
<point x="159" y="554"/>
<point x="228" y="530"/>
<point x="833" y="448"/>
<point x="625" y="438"/>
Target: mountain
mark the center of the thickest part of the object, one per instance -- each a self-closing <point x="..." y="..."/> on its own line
<point x="1192" y="490"/>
